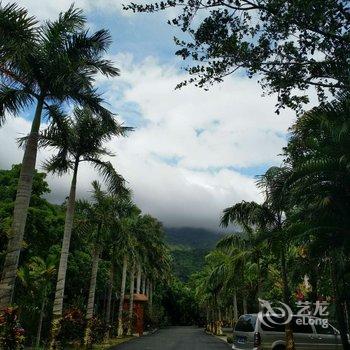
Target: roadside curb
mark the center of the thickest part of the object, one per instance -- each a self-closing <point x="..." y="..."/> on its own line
<point x="145" y="334"/>
<point x="135" y="337"/>
<point x="222" y="338"/>
<point x="219" y="337"/>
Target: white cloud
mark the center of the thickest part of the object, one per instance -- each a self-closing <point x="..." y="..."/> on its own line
<point x="49" y="9"/>
<point x="230" y="125"/>
<point x="177" y="164"/>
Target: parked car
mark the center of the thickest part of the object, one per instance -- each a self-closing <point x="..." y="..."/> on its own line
<point x="252" y="334"/>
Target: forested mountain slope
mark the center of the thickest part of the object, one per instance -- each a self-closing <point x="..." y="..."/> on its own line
<point x="188" y="248"/>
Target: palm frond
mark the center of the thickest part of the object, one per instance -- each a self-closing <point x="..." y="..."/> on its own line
<point x="69" y="21"/>
<point x="115" y="182"/>
<point x="231" y="241"/>
<point x="91" y="47"/>
<point x="247" y="215"/>
<point x="13" y="100"/>
<point x="17" y="32"/>
<point x="57" y="164"/>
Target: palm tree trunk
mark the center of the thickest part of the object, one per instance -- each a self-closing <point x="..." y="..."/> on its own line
<point x="20" y="211"/>
<point x="147" y="287"/>
<point x="214" y="321"/>
<point x="245" y="308"/>
<point x="235" y="308"/>
<point x="91" y="300"/>
<point x="109" y="300"/>
<point x="219" y="323"/>
<point x="338" y="304"/>
<point x="150" y="299"/>
<point x="259" y="273"/>
<point x="138" y="281"/>
<point x="122" y="294"/>
<point x="131" y="301"/>
<point x="208" y="318"/>
<point x="290" y="345"/>
<point x="62" y="269"/>
<point x="40" y="324"/>
<point x="143" y="284"/>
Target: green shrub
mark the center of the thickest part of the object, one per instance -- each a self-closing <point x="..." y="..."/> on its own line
<point x="11" y="332"/>
<point x="98" y="330"/>
<point x="72" y="326"/>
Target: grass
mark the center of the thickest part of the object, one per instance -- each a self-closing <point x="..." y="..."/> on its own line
<point x="111" y="342"/>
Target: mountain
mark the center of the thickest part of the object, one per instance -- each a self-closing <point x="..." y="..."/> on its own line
<point x="192" y="237"/>
<point x="189" y="246"/>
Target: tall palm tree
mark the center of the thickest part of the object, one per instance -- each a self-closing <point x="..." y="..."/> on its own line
<point x="127" y="250"/>
<point x="117" y="244"/>
<point x="80" y="139"/>
<point x="44" y="66"/>
<point x="247" y="245"/>
<point x="267" y="221"/>
<point x="96" y="219"/>
<point x="318" y="153"/>
<point x="153" y="255"/>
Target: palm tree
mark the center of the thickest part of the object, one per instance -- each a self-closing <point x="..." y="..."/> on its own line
<point x="152" y="254"/>
<point x="45" y="66"/>
<point x="208" y="289"/>
<point x="121" y="243"/>
<point x="267" y="221"/>
<point x="117" y="251"/>
<point x="37" y="276"/>
<point x="318" y="153"/>
<point x="97" y="220"/>
<point x="126" y="244"/>
<point x="80" y="139"/>
<point x="149" y="255"/>
<point x="246" y="245"/>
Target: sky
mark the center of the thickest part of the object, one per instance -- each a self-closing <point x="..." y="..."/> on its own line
<point x="193" y="152"/>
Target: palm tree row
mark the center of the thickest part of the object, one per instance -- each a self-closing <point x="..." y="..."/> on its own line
<point x="302" y="222"/>
<point x="116" y="233"/>
<point x="119" y="232"/>
<point x="48" y="67"/>
<point x="45" y="67"/>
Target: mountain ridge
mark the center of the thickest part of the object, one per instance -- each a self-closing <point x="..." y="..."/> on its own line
<point x="188" y="247"/>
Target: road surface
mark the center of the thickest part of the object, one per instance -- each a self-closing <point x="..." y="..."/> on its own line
<point x="175" y="338"/>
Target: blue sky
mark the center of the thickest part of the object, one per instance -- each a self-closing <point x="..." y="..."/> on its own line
<point x="193" y="153"/>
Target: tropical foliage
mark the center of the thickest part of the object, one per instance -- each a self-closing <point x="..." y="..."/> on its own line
<point x="102" y="227"/>
<point x="292" y="44"/>
<point x="302" y="222"/>
<point x="48" y="67"/>
<point x="44" y="67"/>
<point x="72" y="272"/>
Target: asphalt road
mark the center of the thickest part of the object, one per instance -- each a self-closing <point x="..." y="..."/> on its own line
<point x="175" y="338"/>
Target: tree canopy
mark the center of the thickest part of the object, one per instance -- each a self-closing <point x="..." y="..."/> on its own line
<point x="291" y="45"/>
